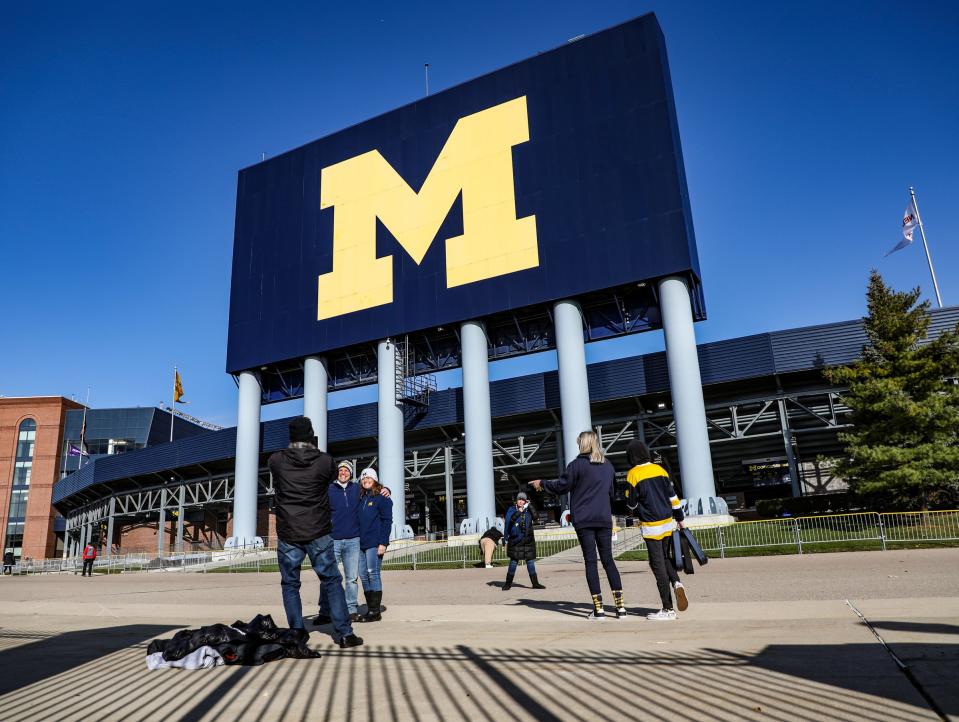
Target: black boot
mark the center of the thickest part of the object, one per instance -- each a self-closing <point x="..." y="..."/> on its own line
<point x="322" y="619"/>
<point x="373" y="607"/>
<point x="509" y="582"/>
<point x="350" y="640"/>
<point x="535" y="580"/>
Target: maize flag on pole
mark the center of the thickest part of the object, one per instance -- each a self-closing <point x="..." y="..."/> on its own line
<point x="177" y="389"/>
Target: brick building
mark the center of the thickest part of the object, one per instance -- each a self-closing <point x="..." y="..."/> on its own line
<point x="40" y="442"/>
<point x="31" y="439"/>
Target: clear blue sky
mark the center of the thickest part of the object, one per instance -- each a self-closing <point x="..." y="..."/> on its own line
<point x="122" y="127"/>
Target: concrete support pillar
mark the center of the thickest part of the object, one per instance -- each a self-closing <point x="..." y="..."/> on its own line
<point x="83" y="536"/>
<point x="161" y="526"/>
<point x="247" y="463"/>
<point x="390" y="429"/>
<point x="689" y="410"/>
<point x="113" y="511"/>
<point x="478" y="423"/>
<point x="573" y="385"/>
<point x="316" y="381"/>
<point x="181" y="497"/>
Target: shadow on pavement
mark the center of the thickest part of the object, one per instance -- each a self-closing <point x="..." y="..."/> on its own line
<point x="578" y="609"/>
<point x="868" y="668"/>
<point x="927" y="627"/>
<point x="51" y="655"/>
<point x="853" y="681"/>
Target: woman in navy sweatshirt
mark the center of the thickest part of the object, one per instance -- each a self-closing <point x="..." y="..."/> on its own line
<point x="376" y="520"/>
<point x="589" y="481"/>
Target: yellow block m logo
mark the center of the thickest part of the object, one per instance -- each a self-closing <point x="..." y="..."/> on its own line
<point x="477" y="160"/>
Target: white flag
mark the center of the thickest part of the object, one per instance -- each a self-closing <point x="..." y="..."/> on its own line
<point x="909" y="223"/>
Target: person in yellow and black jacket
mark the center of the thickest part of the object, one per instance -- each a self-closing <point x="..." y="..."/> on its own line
<point x="651" y="493"/>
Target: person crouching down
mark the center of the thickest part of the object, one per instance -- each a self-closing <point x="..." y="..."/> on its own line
<point x="660" y="515"/>
<point x="520" y="542"/>
<point x="376" y="520"/>
<point x="487" y="545"/>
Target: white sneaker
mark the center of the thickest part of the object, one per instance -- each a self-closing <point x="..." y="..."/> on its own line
<point x="681" y="600"/>
<point x="621" y="613"/>
<point x="489" y="566"/>
<point x="663" y="615"/>
<point x="594" y="617"/>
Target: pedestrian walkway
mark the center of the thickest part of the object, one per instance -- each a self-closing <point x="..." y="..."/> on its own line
<point x="764" y="637"/>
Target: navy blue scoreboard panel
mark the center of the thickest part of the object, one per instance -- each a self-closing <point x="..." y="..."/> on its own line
<point x="551" y="178"/>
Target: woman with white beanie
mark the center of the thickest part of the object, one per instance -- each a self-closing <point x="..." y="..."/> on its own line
<point x="376" y="521"/>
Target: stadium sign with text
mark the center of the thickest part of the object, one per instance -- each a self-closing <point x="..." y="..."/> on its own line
<point x="552" y="178"/>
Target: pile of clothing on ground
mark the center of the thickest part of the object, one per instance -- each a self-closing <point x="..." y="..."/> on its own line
<point x="249" y="643"/>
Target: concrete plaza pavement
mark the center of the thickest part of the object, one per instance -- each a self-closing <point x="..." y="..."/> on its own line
<point x="764" y="637"/>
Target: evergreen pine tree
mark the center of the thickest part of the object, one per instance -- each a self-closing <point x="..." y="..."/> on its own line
<point x="903" y="448"/>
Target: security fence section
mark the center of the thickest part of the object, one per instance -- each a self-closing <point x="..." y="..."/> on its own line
<point x="836" y="532"/>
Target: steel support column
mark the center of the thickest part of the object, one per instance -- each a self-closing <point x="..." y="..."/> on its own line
<point x="247" y="463"/>
<point x="573" y="385"/>
<point x="113" y="508"/>
<point x="316" y="380"/>
<point x="686" y="387"/>
<point x="181" y="497"/>
<point x="448" y="478"/>
<point x="161" y="526"/>
<point x="788" y="445"/>
<point x="390" y="430"/>
<point x="478" y="425"/>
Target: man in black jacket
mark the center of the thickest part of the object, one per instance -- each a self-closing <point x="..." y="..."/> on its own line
<point x="301" y="477"/>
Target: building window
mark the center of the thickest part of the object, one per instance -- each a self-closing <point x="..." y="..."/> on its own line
<point x="23" y="465"/>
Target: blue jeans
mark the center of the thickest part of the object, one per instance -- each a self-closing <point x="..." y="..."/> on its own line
<point x="530" y="567"/>
<point x="347" y="553"/>
<point x="370" y="571"/>
<point x="290" y="556"/>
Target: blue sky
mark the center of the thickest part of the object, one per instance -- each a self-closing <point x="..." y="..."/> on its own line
<point x="122" y="128"/>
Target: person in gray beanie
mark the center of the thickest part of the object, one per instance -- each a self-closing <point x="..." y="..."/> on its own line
<point x="520" y="542"/>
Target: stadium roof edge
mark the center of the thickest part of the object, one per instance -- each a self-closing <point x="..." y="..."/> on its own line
<point x="758" y="355"/>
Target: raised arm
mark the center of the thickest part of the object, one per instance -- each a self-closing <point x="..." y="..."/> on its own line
<point x="563" y="485"/>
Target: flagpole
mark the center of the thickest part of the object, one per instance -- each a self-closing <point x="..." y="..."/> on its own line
<point x="83" y="428"/>
<point x="173" y="403"/>
<point x="925" y="245"/>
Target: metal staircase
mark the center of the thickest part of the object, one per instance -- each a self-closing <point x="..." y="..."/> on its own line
<point x="412" y="389"/>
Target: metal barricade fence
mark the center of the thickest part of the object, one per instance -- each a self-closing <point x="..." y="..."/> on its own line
<point x="864" y="529"/>
<point x="910" y="526"/>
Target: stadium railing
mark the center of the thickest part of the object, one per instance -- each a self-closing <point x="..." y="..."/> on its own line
<point x="866" y="530"/>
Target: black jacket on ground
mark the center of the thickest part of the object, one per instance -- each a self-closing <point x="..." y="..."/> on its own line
<point x="520" y="541"/>
<point x="590" y="487"/>
<point x="251" y="643"/>
<point x="301" y="478"/>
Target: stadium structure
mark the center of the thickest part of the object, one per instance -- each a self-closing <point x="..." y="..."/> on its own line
<point x="539" y="207"/>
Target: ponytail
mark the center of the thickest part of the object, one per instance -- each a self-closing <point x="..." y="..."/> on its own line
<point x="589" y="444"/>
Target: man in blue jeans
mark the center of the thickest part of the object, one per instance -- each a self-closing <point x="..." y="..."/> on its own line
<point x="301" y="477"/>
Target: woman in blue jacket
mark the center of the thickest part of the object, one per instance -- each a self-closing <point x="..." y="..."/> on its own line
<point x="520" y="542"/>
<point x="589" y="481"/>
<point x="376" y="520"/>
